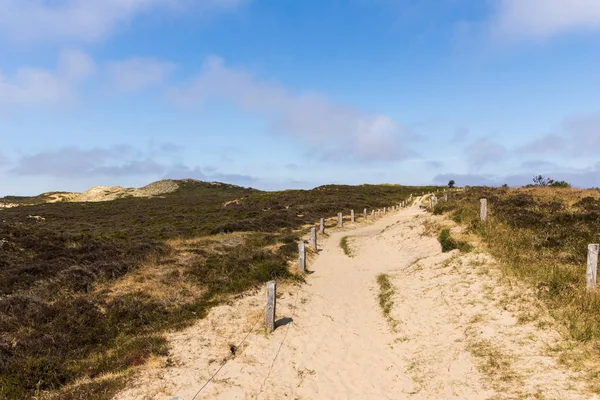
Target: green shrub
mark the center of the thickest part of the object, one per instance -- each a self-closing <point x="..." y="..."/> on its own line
<point x="345" y="245"/>
<point x="449" y="243"/>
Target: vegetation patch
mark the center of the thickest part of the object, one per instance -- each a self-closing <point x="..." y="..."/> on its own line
<point x="345" y="245"/>
<point x="386" y="294"/>
<point x="449" y="243"/>
<point x="540" y="235"/>
<point x="493" y="362"/>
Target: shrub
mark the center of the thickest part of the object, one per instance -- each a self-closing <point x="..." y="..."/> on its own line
<point x="449" y="243"/>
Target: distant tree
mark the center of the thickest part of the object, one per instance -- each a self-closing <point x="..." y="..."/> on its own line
<point x="451" y="183"/>
<point x="560" y="184"/>
<point x="540" y="180"/>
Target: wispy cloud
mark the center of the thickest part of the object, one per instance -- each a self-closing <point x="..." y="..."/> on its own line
<point x="114" y="162"/>
<point x="4" y="160"/>
<point x="541" y="19"/>
<point x="138" y="73"/>
<point x="85" y="20"/>
<point x="334" y="131"/>
<point x="576" y="136"/>
<point x="31" y="86"/>
<point x="484" y="151"/>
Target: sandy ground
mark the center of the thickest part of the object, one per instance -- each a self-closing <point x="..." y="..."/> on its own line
<point x="456" y="331"/>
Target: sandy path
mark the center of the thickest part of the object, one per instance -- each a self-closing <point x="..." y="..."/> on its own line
<point x="458" y="332"/>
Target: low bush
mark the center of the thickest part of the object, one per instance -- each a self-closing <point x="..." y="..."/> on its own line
<point x="449" y="243"/>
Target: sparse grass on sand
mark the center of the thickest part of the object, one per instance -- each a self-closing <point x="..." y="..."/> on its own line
<point x="541" y="236"/>
<point x="386" y="293"/>
<point x="345" y="245"/>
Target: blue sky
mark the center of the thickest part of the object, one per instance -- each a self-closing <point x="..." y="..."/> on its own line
<point x="280" y="94"/>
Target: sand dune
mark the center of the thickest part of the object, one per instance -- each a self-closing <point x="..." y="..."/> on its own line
<point x="453" y="332"/>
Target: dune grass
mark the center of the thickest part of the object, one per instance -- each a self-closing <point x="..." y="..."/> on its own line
<point x="540" y="236"/>
<point x="345" y="245"/>
<point x="386" y="294"/>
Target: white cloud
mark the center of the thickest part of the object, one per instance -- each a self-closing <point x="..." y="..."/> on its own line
<point x="86" y="20"/>
<point x="577" y="135"/>
<point x="540" y="19"/>
<point x="31" y="86"/>
<point x="334" y="131"/>
<point x="484" y="151"/>
<point x="138" y="73"/>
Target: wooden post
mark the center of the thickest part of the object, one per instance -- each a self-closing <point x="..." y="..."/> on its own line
<point x="352" y="216"/>
<point x="270" y="314"/>
<point x="322" y="226"/>
<point x="384" y="211"/>
<point x="379" y="213"/>
<point x="373" y="214"/>
<point x="340" y="220"/>
<point x="445" y="196"/>
<point x="365" y="213"/>
<point x="301" y="257"/>
<point x="313" y="237"/>
<point x="592" y="266"/>
<point x="484" y="210"/>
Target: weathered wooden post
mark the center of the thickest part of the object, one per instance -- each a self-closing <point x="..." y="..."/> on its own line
<point x="322" y="226"/>
<point x="445" y="196"/>
<point x="373" y="214"/>
<point x="340" y="220"/>
<point x="592" y="267"/>
<point x="484" y="210"/>
<point x="379" y="213"/>
<point x="365" y="213"/>
<point x="352" y="216"/>
<point x="384" y="211"/>
<point x="270" y="314"/>
<point x="313" y="237"/>
<point x="301" y="257"/>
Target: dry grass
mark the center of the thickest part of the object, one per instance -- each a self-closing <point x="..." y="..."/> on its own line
<point x="345" y="246"/>
<point x="386" y="294"/>
<point x="493" y="362"/>
<point x="539" y="236"/>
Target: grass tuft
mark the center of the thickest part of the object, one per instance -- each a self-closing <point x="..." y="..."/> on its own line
<point x="345" y="245"/>
<point x="386" y="293"/>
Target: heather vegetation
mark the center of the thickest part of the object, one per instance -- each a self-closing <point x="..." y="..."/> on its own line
<point x="87" y="288"/>
<point x="541" y="235"/>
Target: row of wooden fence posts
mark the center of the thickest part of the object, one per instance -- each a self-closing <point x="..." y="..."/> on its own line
<point x="272" y="285"/>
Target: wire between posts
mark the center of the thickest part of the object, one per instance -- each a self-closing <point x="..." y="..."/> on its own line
<point x="226" y="360"/>
<point x="280" y="345"/>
